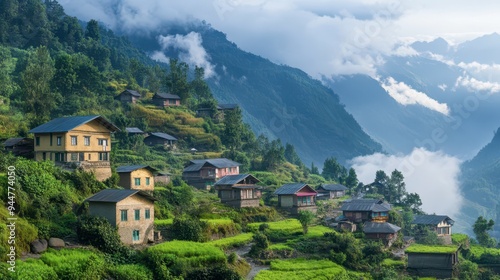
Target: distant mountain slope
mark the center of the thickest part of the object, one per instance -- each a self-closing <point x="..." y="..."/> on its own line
<point x="278" y="100"/>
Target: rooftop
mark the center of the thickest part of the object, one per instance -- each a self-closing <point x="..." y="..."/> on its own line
<point x="372" y="227"/>
<point x="14" y="141"/>
<point x="133" y="130"/>
<point x="373" y="205"/>
<point x="166" y="95"/>
<point x="66" y="124"/>
<point x="116" y="195"/>
<point x="292" y="188"/>
<point x="197" y="164"/>
<point x="332" y="187"/>
<point x="130" y="168"/>
<point x="132" y="92"/>
<point x="431" y="219"/>
<point x="163" y="135"/>
<point x="431" y="249"/>
<point x="235" y="179"/>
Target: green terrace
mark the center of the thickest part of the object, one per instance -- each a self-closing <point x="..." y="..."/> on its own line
<point x="432" y="249"/>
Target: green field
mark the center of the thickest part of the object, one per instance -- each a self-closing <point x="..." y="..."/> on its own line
<point x="301" y="269"/>
<point x="233" y="241"/>
<point x="432" y="249"/>
<point x="188" y="252"/>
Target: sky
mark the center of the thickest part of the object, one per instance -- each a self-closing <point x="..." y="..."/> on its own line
<point x="321" y="37"/>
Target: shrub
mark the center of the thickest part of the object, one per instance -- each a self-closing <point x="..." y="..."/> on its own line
<point x="233" y="241"/>
<point x="34" y="269"/>
<point x="299" y="269"/>
<point x="75" y="264"/>
<point x="131" y="272"/>
<point x="98" y="232"/>
<point x="213" y="273"/>
<point x="25" y="234"/>
<point x="189" y="229"/>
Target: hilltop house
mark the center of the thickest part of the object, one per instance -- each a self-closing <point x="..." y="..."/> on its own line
<point x="166" y="99"/>
<point x="203" y="173"/>
<point x="131" y="211"/>
<point x="440" y="224"/>
<point x="20" y="146"/>
<point x="239" y="190"/>
<point x="137" y="177"/>
<point x="160" y="138"/>
<point x="362" y="210"/>
<point x="386" y="232"/>
<point x="80" y="141"/>
<point x="163" y="177"/>
<point x="221" y="110"/>
<point x="432" y="261"/>
<point x="296" y="197"/>
<point x="329" y="191"/>
<point x="128" y="96"/>
<point x="134" y="131"/>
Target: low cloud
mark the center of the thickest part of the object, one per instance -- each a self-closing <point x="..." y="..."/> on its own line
<point x="406" y="95"/>
<point x="474" y="85"/>
<point x="191" y="50"/>
<point x="433" y="175"/>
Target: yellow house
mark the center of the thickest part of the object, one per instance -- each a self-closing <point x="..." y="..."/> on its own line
<point x="80" y="141"/>
<point x="131" y="211"/>
<point x="137" y="177"/>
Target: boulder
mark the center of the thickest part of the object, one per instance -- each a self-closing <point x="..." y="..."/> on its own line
<point x="38" y="246"/>
<point x="56" y="243"/>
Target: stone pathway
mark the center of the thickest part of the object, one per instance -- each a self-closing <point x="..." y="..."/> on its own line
<point x="255" y="267"/>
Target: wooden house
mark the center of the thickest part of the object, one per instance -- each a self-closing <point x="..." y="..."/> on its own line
<point x="440" y="224"/>
<point x="362" y="210"/>
<point x="20" y="146"/>
<point x="386" y="232"/>
<point x="297" y="197"/>
<point x="203" y="173"/>
<point x="221" y="109"/>
<point x="160" y="138"/>
<point x="437" y="261"/>
<point x="330" y="191"/>
<point x="134" y="131"/>
<point x="137" y="177"/>
<point x="162" y="99"/>
<point x="76" y="142"/>
<point x="163" y="177"/>
<point x="131" y="211"/>
<point x="239" y="190"/>
<point x="128" y="96"/>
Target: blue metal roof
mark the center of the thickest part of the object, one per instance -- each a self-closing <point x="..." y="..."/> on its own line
<point x="66" y="124"/>
<point x="234" y="179"/>
<point x="130" y="168"/>
<point x="431" y="219"/>
<point x="373" y="227"/>
<point x="333" y="187"/>
<point x="374" y="205"/>
<point x="197" y="164"/>
<point x="133" y="130"/>
<point x="163" y="136"/>
<point x="291" y="188"/>
<point x="115" y="195"/>
<point x="163" y="95"/>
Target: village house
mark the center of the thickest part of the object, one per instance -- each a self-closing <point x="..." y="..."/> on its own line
<point x="440" y="224"/>
<point x="76" y="142"/>
<point x="330" y="191"/>
<point x="137" y="177"/>
<point x="128" y="96"/>
<point x="239" y="190"/>
<point x="219" y="114"/>
<point x="432" y="261"/>
<point x="166" y="99"/>
<point x="163" y="177"/>
<point x="160" y="138"/>
<point x="362" y="210"/>
<point x="203" y="173"/>
<point x="386" y="232"/>
<point x="134" y="131"/>
<point x="131" y="211"/>
<point x="20" y="146"/>
<point x="297" y="197"/>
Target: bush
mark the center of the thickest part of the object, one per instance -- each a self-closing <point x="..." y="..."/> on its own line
<point x="189" y="229"/>
<point x="25" y="234"/>
<point x="98" y="232"/>
<point x="131" y="272"/>
<point x="233" y="241"/>
<point x="34" y="269"/>
<point x="75" y="264"/>
<point x="213" y="273"/>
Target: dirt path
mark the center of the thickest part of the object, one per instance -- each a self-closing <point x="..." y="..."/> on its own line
<point x="241" y="252"/>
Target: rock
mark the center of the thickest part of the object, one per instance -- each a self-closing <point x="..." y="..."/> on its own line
<point x="56" y="243"/>
<point x="38" y="246"/>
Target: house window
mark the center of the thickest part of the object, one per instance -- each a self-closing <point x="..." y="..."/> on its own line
<point x="147" y="181"/>
<point x="172" y="102"/>
<point x="89" y="156"/>
<point x="102" y="142"/>
<point x="137" y="181"/>
<point x="44" y="156"/>
<point x="51" y="139"/>
<point x="59" y="141"/>
<point x="37" y="140"/>
<point x="74" y="156"/>
<point x="147" y="214"/>
<point x="86" y="140"/>
<point x="135" y="235"/>
<point x="137" y="214"/>
<point x="58" y="157"/>
<point x="304" y="200"/>
<point x="123" y="215"/>
<point x="103" y="156"/>
<point x="74" y="140"/>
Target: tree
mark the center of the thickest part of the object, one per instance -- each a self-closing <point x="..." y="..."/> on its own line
<point x="98" y="232"/>
<point x="332" y="170"/>
<point x="274" y="156"/>
<point x="291" y="155"/>
<point x="351" y="180"/>
<point x="397" y="187"/>
<point x="38" y="99"/>
<point x="198" y="86"/>
<point x="92" y="30"/>
<point x="314" y="169"/>
<point x="412" y="201"/>
<point x="233" y="126"/>
<point x="305" y="218"/>
<point x="176" y="80"/>
<point x="481" y="228"/>
<point x="468" y="270"/>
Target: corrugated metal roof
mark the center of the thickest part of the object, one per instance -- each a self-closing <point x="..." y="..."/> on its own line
<point x="133" y="130"/>
<point x="333" y="187"/>
<point x="66" y="124"/>
<point x="132" y="92"/>
<point x="163" y="136"/>
<point x="234" y="179"/>
<point x="14" y="141"/>
<point x="163" y="95"/>
<point x="114" y="195"/>
<point x="374" y="205"/>
<point x="130" y="168"/>
<point x="291" y="188"/>
<point x="197" y="164"/>
<point x="372" y="227"/>
<point x="431" y="219"/>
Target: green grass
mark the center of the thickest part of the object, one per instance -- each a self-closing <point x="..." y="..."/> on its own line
<point x="432" y="249"/>
<point x="162" y="223"/>
<point x="279" y="247"/>
<point x="233" y="241"/>
<point x="288" y="226"/>
<point x="218" y="222"/>
<point x="317" y="231"/>
<point x="478" y="251"/>
<point x="459" y="238"/>
<point x="393" y="263"/>
<point x="75" y="263"/>
<point x="301" y="269"/>
<point x="191" y="254"/>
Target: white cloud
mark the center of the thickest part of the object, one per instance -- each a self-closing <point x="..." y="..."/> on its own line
<point x="160" y="56"/>
<point x="192" y="52"/>
<point x="442" y="87"/>
<point x="433" y="175"/>
<point x="406" y="95"/>
<point x="473" y="85"/>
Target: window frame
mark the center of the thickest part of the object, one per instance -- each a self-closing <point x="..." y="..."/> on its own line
<point x="137" y="214"/>
<point x="136" y="235"/>
<point x="86" y="140"/>
<point x="74" y="140"/>
<point x="147" y="214"/>
<point x="59" y="140"/>
<point x="123" y="217"/>
<point x="137" y="181"/>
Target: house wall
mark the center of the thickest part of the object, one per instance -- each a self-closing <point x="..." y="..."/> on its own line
<point x="104" y="209"/>
<point x="443" y="228"/>
<point x="165" y="179"/>
<point x="127" y="97"/>
<point x="127" y="179"/>
<point x="357" y="217"/>
<point x="221" y="172"/>
<point x="145" y="227"/>
<point x="286" y="200"/>
<point x="172" y="102"/>
<point x="432" y="265"/>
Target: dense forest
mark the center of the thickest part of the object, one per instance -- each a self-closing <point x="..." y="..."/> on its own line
<point x="53" y="65"/>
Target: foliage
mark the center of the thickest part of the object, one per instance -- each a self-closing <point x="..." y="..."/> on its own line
<point x="483" y="255"/>
<point x="481" y="228"/>
<point x="75" y="264"/>
<point x="459" y="238"/>
<point x="345" y="249"/>
<point x="131" y="272"/>
<point x="212" y="273"/>
<point x="188" y="228"/>
<point x="233" y="125"/>
<point x="25" y="234"/>
<point x="299" y="269"/>
<point x="34" y="269"/>
<point x="431" y="249"/>
<point x="399" y="264"/>
<point x="333" y="170"/>
<point x="233" y="241"/>
<point x="305" y="218"/>
<point x="467" y="270"/>
<point x="98" y="232"/>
